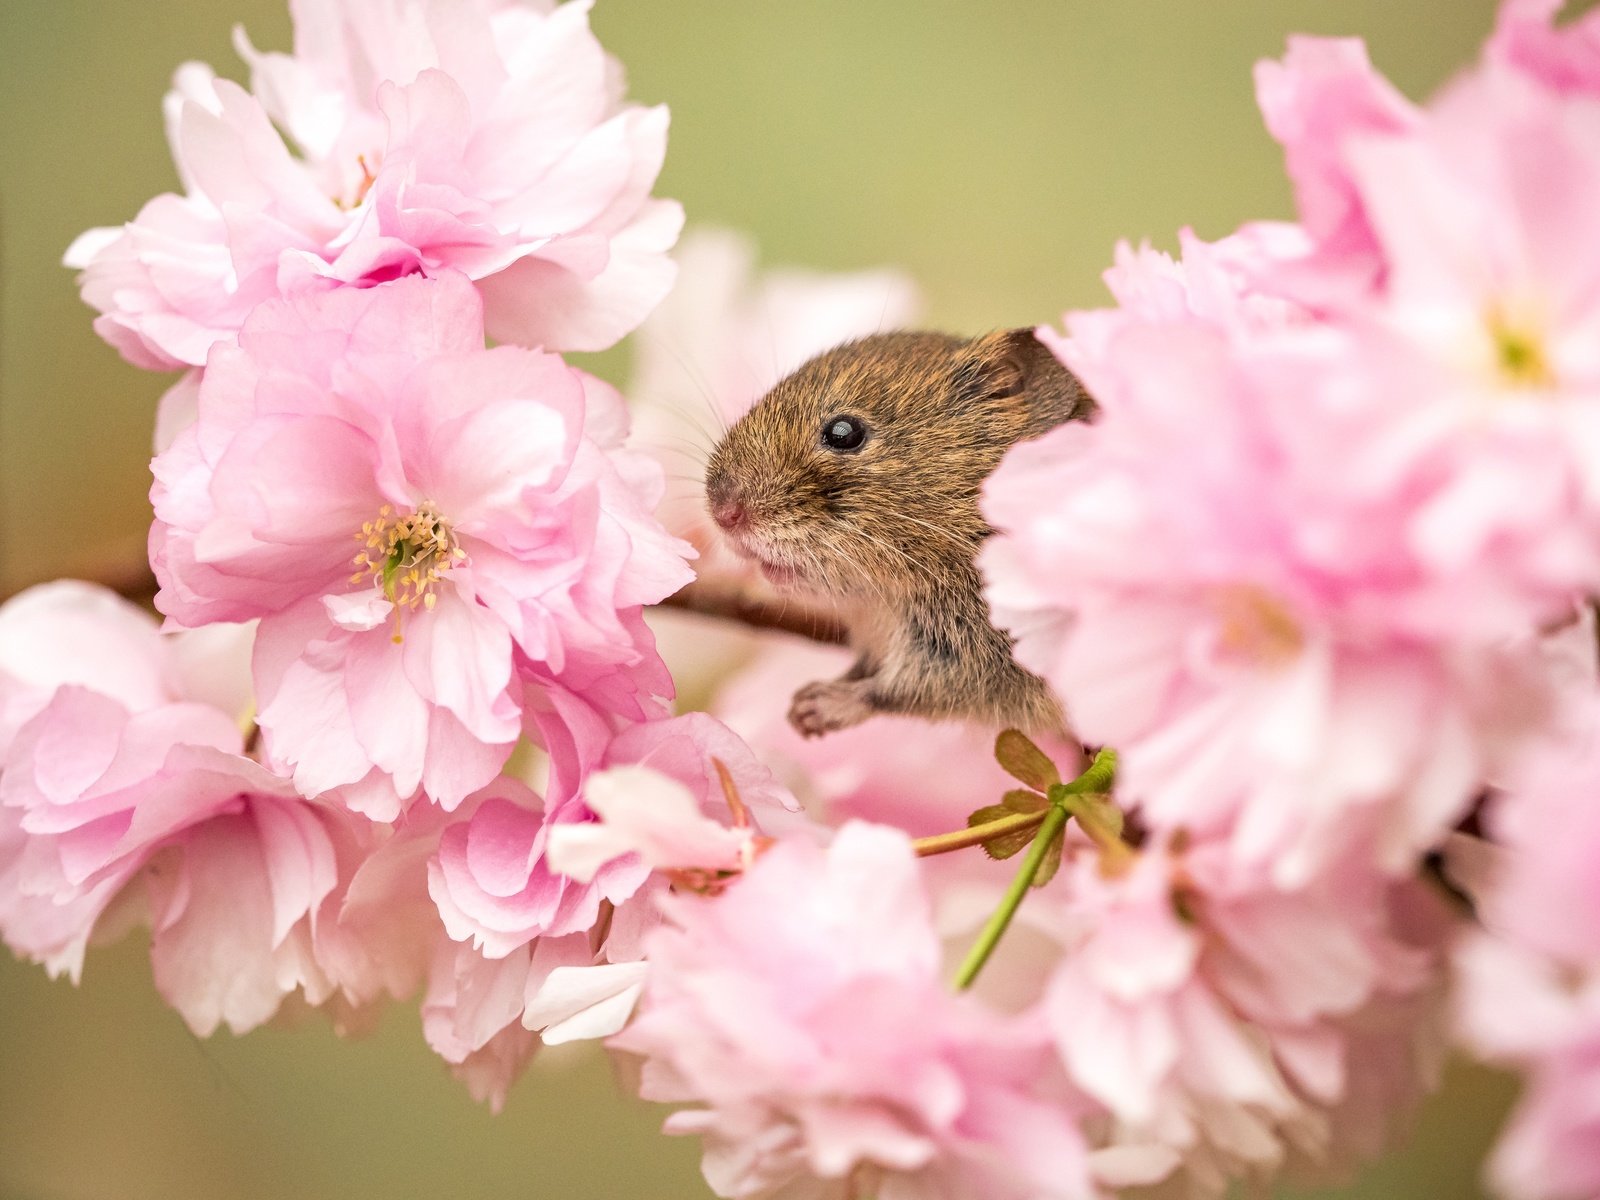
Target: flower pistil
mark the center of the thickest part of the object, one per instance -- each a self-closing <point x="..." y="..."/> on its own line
<point x="406" y="556"/>
<point x="1519" y="352"/>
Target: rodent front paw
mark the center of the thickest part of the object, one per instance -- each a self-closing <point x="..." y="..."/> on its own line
<point x="820" y="708"/>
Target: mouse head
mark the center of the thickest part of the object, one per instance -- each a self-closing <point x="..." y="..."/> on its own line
<point x="859" y="473"/>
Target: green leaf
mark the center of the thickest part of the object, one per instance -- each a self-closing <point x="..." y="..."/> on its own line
<point x="989" y="812"/>
<point x="1022" y="760"/>
<point x="1021" y="800"/>
<point x="1006" y="844"/>
<point x="1051" y="863"/>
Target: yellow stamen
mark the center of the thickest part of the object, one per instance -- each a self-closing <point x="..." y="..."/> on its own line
<point x="406" y="557"/>
<point x="362" y="188"/>
<point x="1257" y="627"/>
<point x="1519" y="353"/>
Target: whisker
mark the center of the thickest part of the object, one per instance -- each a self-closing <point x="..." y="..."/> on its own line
<point x="701" y="386"/>
<point x="960" y="543"/>
<point x="922" y="568"/>
<point x="689" y="450"/>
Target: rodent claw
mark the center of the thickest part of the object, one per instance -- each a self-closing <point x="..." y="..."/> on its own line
<point x="822" y="707"/>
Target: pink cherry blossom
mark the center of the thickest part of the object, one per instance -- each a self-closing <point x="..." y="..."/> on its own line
<point x="483" y="1015"/>
<point x="124" y="797"/>
<point x="470" y="1019"/>
<point x="1323" y="95"/>
<point x="1523" y="1009"/>
<point x="69" y="632"/>
<point x="1473" y="221"/>
<point x="1214" y="283"/>
<point x="1485" y="222"/>
<point x="683" y="748"/>
<point x="493" y="521"/>
<point x="157" y="813"/>
<point x="1307" y="546"/>
<point x="1528" y="992"/>
<point x="1218" y="1017"/>
<point x="493" y="885"/>
<point x="1255" y="613"/>
<point x="645" y="813"/>
<point x="1565" y="58"/>
<point x="1313" y="570"/>
<point x="487" y="1017"/>
<point x="583" y="999"/>
<point x="1462" y="221"/>
<point x="387" y="935"/>
<point x="488" y="137"/>
<point x="585" y="986"/>
<point x="493" y="879"/>
<point x="779" y="1010"/>
<point x="69" y="817"/>
<point x="74" y="633"/>
<point x="237" y="933"/>
<point x="1542" y="890"/>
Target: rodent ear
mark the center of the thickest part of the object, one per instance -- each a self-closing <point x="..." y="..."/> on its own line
<point x="1004" y="363"/>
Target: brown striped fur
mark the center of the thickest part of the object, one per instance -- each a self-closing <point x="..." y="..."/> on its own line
<point x="890" y="531"/>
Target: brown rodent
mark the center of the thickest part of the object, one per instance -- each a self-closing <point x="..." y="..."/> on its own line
<point x="856" y="478"/>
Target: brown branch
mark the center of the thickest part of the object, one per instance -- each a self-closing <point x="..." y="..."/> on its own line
<point x="728" y="604"/>
<point x="721" y="603"/>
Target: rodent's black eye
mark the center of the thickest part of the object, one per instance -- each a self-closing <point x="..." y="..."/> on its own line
<point x="843" y="433"/>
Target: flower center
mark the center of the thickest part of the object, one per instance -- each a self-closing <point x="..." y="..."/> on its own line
<point x="408" y="555"/>
<point x="1257" y="627"/>
<point x="1519" y="353"/>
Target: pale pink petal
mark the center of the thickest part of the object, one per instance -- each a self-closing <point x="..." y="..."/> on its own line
<point x="579" y="1003"/>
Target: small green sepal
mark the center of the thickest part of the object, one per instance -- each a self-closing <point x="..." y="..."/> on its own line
<point x="1022" y="800"/>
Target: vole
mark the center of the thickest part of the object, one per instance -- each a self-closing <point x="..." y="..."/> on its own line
<point x="856" y="479"/>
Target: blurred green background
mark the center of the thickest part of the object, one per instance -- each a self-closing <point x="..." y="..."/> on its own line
<point x="995" y="150"/>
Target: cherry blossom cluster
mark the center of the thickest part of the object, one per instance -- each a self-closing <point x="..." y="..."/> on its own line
<point x="1200" y="1023"/>
<point x="1313" y="587"/>
<point x="1320" y="570"/>
<point x="403" y="574"/>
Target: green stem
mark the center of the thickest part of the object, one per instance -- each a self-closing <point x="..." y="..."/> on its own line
<point x="1098" y="778"/>
<point x="1079" y="798"/>
<point x="960" y="839"/>
<point x="1054" y="821"/>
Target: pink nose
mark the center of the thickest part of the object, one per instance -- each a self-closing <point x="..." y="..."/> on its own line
<point x="730" y="514"/>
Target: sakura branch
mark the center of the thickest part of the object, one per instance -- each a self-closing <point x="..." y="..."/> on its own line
<point x="733" y="604"/>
